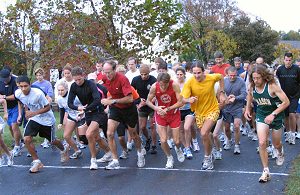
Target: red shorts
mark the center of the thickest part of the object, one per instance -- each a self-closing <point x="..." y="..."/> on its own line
<point x="172" y="120"/>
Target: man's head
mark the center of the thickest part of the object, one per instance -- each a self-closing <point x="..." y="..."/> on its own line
<point x="260" y="60"/>
<point x="163" y="79"/>
<point x="288" y="59"/>
<point x="78" y="75"/>
<point x="109" y="69"/>
<point x="232" y="73"/>
<point x="237" y="62"/>
<point x="198" y="70"/>
<point x="24" y="84"/>
<point x="131" y="64"/>
<point x="219" y="57"/>
<point x="5" y="75"/>
<point x="144" y="71"/>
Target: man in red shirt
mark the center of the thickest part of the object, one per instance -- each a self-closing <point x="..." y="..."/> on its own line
<point x="121" y="109"/>
<point x="167" y="94"/>
<point x="219" y="67"/>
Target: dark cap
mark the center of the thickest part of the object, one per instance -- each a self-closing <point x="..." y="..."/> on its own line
<point x="237" y="59"/>
<point x="218" y="54"/>
<point x="4" y="74"/>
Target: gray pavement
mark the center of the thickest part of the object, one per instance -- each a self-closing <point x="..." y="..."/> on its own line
<point x="234" y="174"/>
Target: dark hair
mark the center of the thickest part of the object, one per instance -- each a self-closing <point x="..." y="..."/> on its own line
<point x="77" y="71"/>
<point x="159" y="60"/>
<point x="100" y="60"/>
<point x="288" y="54"/>
<point x="266" y="75"/>
<point x="198" y="64"/>
<point x="188" y="66"/>
<point x="132" y="58"/>
<point x="218" y="54"/>
<point x="164" y="77"/>
<point x="23" y="78"/>
<point x="112" y="63"/>
<point x="180" y="69"/>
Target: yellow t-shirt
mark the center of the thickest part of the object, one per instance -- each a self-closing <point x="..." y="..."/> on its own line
<point x="204" y="90"/>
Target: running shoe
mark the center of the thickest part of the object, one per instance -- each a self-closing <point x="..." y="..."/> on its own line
<point x="141" y="159"/>
<point x="237" y="149"/>
<point x="45" y="144"/>
<point x="170" y="162"/>
<point x="76" y="155"/>
<point x="129" y="145"/>
<point x="64" y="155"/>
<point x="124" y="155"/>
<point x="218" y="155"/>
<point x="17" y="151"/>
<point x="153" y="150"/>
<point x="196" y="146"/>
<point x="107" y="157"/>
<point x="189" y="154"/>
<point x="280" y="157"/>
<point x="207" y="163"/>
<point x="10" y="159"/>
<point x="36" y="165"/>
<point x="114" y="164"/>
<point x="180" y="155"/>
<point x="265" y="177"/>
<point x="169" y="141"/>
<point x="93" y="165"/>
<point x="148" y="144"/>
<point x="292" y="139"/>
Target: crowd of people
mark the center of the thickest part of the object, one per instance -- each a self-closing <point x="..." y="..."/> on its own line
<point x="220" y="101"/>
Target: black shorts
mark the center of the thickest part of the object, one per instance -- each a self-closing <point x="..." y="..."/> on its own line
<point x="128" y="116"/>
<point x="121" y="129"/>
<point x="292" y="108"/>
<point x="79" y="123"/>
<point x="184" y="113"/>
<point x="99" y="117"/>
<point x="33" y="128"/>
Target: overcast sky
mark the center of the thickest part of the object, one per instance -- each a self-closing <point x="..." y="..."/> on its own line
<point x="280" y="15"/>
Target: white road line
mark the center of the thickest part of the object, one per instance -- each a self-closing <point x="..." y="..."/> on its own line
<point x="159" y="169"/>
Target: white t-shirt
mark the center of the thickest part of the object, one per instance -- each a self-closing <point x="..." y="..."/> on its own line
<point x="36" y="100"/>
<point x="130" y="75"/>
<point x="63" y="103"/>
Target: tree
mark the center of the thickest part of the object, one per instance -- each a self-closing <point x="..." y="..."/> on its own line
<point x="282" y="48"/>
<point x="205" y="19"/>
<point x="254" y="39"/>
<point x="291" y="35"/>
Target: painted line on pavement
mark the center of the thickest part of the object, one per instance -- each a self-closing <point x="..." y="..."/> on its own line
<point x="158" y="169"/>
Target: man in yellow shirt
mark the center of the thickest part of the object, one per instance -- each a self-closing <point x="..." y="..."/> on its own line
<point x="199" y="91"/>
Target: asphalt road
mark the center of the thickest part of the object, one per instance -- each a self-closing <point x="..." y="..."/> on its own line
<point x="234" y="174"/>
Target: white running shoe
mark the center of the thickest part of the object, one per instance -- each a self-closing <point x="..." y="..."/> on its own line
<point x="141" y="160"/>
<point x="287" y="136"/>
<point x="170" y="162"/>
<point x="196" y="146"/>
<point x="180" y="155"/>
<point x="265" y="177"/>
<point x="129" y="145"/>
<point x="17" y="151"/>
<point x="36" y="165"/>
<point x="124" y="155"/>
<point x="93" y="165"/>
<point x="237" y="149"/>
<point x="2" y="161"/>
<point x="10" y="159"/>
<point x="107" y="157"/>
<point x="254" y="138"/>
<point x="64" y="155"/>
<point x="45" y="144"/>
<point x="218" y="155"/>
<point x="170" y="144"/>
<point x="114" y="164"/>
<point x="207" y="163"/>
<point x="292" y="139"/>
<point x="280" y="157"/>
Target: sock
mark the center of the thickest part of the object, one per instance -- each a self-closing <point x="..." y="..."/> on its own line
<point x="266" y="169"/>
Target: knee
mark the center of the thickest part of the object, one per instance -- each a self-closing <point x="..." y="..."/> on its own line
<point x="27" y="139"/>
<point x="89" y="135"/>
<point x="205" y="134"/>
<point x="67" y="137"/>
<point x="262" y="144"/>
<point x="110" y="135"/>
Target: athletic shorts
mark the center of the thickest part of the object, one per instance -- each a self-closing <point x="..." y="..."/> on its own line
<point x="171" y="120"/>
<point x="184" y="113"/>
<point x="128" y="116"/>
<point x="33" y="128"/>
<point x="212" y="116"/>
<point x="99" y="117"/>
<point x="145" y="114"/>
<point x="79" y="123"/>
<point x="276" y="124"/>
<point x="292" y="108"/>
<point x="121" y="129"/>
<point x="12" y="115"/>
<point x="230" y="116"/>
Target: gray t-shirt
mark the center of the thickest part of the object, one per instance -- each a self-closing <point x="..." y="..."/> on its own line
<point x="63" y="103"/>
<point x="36" y="100"/>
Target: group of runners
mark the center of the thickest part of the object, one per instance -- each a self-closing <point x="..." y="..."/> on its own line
<point x="174" y="102"/>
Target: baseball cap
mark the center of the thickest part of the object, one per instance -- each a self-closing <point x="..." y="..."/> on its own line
<point x="4" y="74"/>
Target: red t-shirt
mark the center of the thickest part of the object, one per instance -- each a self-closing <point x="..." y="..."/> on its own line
<point x="99" y="76"/>
<point x="220" y="69"/>
<point x="166" y="98"/>
<point x="119" y="87"/>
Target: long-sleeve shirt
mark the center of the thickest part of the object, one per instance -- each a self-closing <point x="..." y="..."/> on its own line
<point x="238" y="89"/>
<point x="87" y="93"/>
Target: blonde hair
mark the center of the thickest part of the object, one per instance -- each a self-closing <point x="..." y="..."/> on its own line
<point x="64" y="84"/>
<point x="39" y="70"/>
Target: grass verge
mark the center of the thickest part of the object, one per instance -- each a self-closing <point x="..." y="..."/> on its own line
<point x="293" y="184"/>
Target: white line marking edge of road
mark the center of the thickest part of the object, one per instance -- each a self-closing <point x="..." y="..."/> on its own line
<point x="157" y="169"/>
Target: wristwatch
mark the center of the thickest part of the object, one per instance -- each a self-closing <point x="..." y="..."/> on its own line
<point x="114" y="101"/>
<point x="274" y="114"/>
<point x="4" y="97"/>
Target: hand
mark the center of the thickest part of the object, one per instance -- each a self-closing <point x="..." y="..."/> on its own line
<point x="193" y="99"/>
<point x="106" y="102"/>
<point x="161" y="110"/>
<point x="29" y="114"/>
<point x="59" y="126"/>
<point x="269" y="119"/>
<point x="5" y="116"/>
<point x="141" y="104"/>
<point x="19" y="119"/>
<point x="247" y="115"/>
<point x="231" y="99"/>
<point x="81" y="108"/>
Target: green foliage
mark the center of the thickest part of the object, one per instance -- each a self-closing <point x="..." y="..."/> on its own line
<point x="254" y="39"/>
<point x="291" y="35"/>
<point x="293" y="184"/>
